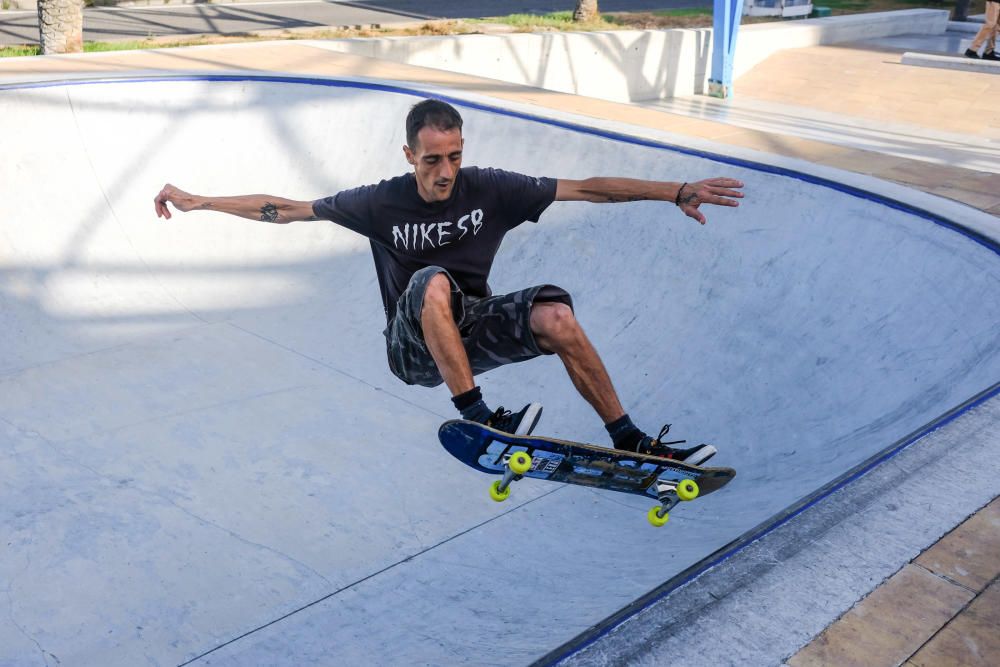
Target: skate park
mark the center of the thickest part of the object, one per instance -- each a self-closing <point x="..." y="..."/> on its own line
<point x="207" y="461"/>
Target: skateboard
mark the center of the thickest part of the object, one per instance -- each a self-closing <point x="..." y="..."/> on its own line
<point x="515" y="457"/>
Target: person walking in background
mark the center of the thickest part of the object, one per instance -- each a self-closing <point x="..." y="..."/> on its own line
<point x="988" y="34"/>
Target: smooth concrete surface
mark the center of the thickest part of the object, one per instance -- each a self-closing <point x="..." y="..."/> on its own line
<point x="629" y="65"/>
<point x="197" y="414"/>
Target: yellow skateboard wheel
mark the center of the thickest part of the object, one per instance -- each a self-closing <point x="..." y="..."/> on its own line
<point x="687" y="489"/>
<point x="520" y="463"/>
<point x="496" y="494"/>
<point x="655" y="518"/>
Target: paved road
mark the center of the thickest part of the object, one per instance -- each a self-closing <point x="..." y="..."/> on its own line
<point x="106" y="24"/>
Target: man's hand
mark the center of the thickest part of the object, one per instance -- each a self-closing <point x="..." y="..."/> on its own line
<point x="182" y="201"/>
<point x="689" y="196"/>
<point x="718" y="191"/>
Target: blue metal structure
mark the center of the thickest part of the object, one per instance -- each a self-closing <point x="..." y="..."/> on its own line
<point x="725" y="23"/>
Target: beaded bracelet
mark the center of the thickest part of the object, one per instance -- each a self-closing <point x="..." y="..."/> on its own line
<point x="677" y="201"/>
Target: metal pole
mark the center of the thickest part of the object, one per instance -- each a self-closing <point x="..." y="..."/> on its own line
<point x="725" y="23"/>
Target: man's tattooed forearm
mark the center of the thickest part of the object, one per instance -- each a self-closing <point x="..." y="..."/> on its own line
<point x="268" y="213"/>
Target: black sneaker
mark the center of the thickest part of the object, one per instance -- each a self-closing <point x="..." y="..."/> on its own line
<point x="658" y="447"/>
<point x="516" y="423"/>
<point x="991" y="55"/>
<point x="969" y="53"/>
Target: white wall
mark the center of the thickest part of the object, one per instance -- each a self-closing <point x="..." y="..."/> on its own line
<point x="629" y="65"/>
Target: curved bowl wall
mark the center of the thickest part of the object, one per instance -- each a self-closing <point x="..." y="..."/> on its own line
<point x="200" y="434"/>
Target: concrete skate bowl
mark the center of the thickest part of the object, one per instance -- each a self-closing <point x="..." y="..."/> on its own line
<point x="205" y="460"/>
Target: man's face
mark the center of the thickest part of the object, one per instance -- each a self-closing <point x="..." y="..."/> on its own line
<point x="436" y="159"/>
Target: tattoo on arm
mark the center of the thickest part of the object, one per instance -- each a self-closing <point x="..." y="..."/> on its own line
<point x="688" y="199"/>
<point x="268" y="213"/>
<point x="615" y="199"/>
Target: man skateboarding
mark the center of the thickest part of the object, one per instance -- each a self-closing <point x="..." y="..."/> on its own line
<point x="434" y="234"/>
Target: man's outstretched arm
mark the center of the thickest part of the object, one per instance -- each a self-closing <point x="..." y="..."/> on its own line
<point x="688" y="196"/>
<point x="265" y="208"/>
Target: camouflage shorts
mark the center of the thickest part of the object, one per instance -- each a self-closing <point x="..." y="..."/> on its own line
<point x="495" y="330"/>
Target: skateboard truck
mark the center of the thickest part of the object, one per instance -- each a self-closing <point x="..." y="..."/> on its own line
<point x="669" y="494"/>
<point x="515" y="466"/>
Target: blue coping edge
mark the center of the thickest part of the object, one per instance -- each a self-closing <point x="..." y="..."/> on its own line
<point x="601" y="629"/>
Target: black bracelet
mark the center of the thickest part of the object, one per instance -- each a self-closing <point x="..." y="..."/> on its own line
<point x="677" y="201"/>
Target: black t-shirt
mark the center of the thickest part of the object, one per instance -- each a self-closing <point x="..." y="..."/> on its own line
<point x="461" y="234"/>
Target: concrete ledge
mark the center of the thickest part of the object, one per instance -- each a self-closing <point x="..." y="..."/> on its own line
<point x="951" y="62"/>
<point x="970" y="27"/>
<point x="629" y="66"/>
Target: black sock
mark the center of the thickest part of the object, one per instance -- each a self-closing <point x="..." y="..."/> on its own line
<point x="624" y="433"/>
<point x="472" y="406"/>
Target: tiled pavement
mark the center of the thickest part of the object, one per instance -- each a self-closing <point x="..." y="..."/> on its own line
<point x="942" y="609"/>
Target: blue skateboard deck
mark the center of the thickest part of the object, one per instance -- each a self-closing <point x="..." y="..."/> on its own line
<point x="488" y="450"/>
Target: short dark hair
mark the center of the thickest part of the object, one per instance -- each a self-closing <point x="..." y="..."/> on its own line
<point x="434" y="113"/>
